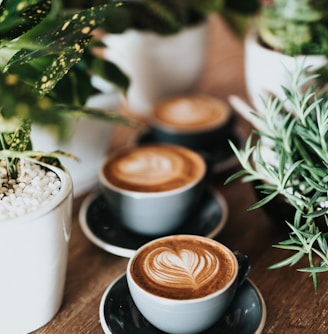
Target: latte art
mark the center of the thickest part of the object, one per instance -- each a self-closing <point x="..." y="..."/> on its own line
<point x="184" y="269"/>
<point x="191" y="113"/>
<point x="153" y="168"/>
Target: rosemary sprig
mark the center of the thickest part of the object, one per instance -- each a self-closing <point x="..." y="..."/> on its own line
<point x="295" y="133"/>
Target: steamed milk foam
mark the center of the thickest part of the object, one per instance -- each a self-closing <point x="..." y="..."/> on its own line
<point x="191" y="113"/>
<point x="183" y="267"/>
<point x="154" y="168"/>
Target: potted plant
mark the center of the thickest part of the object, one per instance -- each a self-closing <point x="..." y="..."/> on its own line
<point x="162" y="45"/>
<point x="86" y="137"/>
<point x="289" y="160"/>
<point x="285" y="34"/>
<point x="35" y="190"/>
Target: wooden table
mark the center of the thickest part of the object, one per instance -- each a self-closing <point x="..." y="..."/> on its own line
<point x="292" y="305"/>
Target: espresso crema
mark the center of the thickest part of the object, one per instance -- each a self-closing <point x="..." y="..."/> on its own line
<point x="154" y="168"/>
<point x="183" y="267"/>
<point x="191" y="113"/>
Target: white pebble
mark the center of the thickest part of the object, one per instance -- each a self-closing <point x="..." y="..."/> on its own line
<point x="32" y="189"/>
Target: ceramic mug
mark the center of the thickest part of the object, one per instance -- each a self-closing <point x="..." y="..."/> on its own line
<point x="152" y="188"/>
<point x="195" y="121"/>
<point x="183" y="284"/>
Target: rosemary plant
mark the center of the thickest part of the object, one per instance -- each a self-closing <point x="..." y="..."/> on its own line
<point x="295" y="132"/>
<point x="45" y="67"/>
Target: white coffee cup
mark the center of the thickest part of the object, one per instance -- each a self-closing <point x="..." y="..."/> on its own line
<point x="152" y="188"/>
<point x="183" y="284"/>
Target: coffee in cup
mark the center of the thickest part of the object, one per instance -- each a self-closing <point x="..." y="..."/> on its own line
<point x="195" y="121"/>
<point x="183" y="283"/>
<point x="151" y="188"/>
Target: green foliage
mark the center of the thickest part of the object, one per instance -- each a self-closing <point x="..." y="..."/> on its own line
<point x="295" y="26"/>
<point x="15" y="141"/>
<point x="170" y="16"/>
<point x="295" y="132"/>
<point x="44" y="55"/>
<point x="17" y="17"/>
<point x="45" y="58"/>
<point x="45" y="67"/>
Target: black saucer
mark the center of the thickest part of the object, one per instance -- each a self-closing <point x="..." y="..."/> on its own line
<point x="219" y="156"/>
<point x="101" y="228"/>
<point x="119" y="315"/>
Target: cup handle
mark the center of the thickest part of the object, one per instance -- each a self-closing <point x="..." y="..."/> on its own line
<point x="244" y="267"/>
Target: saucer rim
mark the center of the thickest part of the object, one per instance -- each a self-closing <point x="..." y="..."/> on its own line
<point x="106" y="329"/>
<point x="127" y="252"/>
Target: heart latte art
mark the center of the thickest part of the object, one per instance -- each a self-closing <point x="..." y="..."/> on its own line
<point x="153" y="168"/>
<point x="183" y="267"/>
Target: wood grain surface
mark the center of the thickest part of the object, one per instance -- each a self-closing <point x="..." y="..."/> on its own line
<point x="292" y="305"/>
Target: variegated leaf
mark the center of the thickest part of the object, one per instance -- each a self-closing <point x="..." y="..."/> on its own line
<point x="19" y="16"/>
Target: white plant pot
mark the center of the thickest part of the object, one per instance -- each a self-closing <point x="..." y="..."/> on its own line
<point x="267" y="70"/>
<point x="33" y="258"/>
<point x="89" y="141"/>
<point x="158" y="66"/>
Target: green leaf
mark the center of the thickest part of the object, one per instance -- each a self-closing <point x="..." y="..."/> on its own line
<point x="19" y="16"/>
<point x="16" y="141"/>
<point x="162" y="17"/>
<point x="264" y="201"/>
<point x="290" y="247"/>
<point x="287" y="174"/>
<point x="234" y="176"/>
<point x="290" y="261"/>
<point x="314" y="269"/>
<point x="106" y="69"/>
<point x="78" y="112"/>
<point x="66" y="43"/>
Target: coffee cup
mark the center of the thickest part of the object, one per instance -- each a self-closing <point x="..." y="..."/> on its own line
<point x="195" y="121"/>
<point x="183" y="284"/>
<point x="152" y="188"/>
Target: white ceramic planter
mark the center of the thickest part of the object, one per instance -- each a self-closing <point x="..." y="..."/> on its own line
<point x="33" y="259"/>
<point x="89" y="141"/>
<point x="158" y="66"/>
<point x="266" y="70"/>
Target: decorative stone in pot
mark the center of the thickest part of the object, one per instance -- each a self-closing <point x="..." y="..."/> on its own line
<point x="158" y="66"/>
<point x="33" y="249"/>
<point x="267" y="70"/>
<point x="89" y="141"/>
